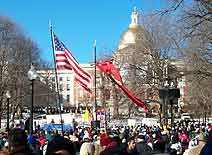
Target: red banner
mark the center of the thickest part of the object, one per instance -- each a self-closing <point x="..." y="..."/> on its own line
<point x="109" y="69"/>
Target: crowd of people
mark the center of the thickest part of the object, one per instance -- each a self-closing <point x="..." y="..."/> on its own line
<point x="184" y="138"/>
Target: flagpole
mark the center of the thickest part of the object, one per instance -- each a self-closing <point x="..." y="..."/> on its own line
<point x="56" y="76"/>
<point x="95" y="102"/>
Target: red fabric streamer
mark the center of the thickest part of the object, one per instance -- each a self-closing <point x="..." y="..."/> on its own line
<point x="109" y="69"/>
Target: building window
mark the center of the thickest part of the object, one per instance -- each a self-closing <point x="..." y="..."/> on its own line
<point x="61" y="87"/>
<point x="68" y="86"/>
<point x="98" y="81"/>
<point x="98" y="94"/>
<point x="61" y="98"/>
<point x="68" y="78"/>
<point x="80" y="92"/>
<point x="68" y="98"/>
<point x="61" y="79"/>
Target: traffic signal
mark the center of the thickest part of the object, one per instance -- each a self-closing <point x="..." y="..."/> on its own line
<point x="170" y="93"/>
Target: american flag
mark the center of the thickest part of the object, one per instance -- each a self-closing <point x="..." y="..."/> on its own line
<point x="65" y="60"/>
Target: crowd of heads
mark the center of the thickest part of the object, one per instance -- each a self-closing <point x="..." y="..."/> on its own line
<point x="123" y="140"/>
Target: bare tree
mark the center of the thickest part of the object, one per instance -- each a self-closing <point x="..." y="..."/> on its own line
<point x="17" y="52"/>
<point x="195" y="21"/>
<point x="7" y="31"/>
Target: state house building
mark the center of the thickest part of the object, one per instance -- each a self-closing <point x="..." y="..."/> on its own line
<point x="133" y="48"/>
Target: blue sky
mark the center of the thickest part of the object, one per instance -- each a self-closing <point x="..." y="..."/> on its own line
<point x="76" y="22"/>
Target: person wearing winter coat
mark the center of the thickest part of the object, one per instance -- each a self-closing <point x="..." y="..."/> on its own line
<point x="184" y="140"/>
<point x="18" y="143"/>
<point x="87" y="147"/>
<point x="130" y="149"/>
<point x="207" y="149"/>
<point x="98" y="147"/>
<point x="141" y="147"/>
<point x="111" y="145"/>
<point x="61" y="146"/>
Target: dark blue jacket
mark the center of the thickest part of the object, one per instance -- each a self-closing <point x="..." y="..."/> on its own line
<point x="207" y="149"/>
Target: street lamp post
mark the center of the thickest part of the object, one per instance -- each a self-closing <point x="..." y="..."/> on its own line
<point x="169" y="96"/>
<point x="8" y="109"/>
<point x="32" y="75"/>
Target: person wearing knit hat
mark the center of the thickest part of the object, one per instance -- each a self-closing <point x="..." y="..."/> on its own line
<point x="60" y="145"/>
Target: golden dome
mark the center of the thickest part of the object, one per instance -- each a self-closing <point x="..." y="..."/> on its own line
<point x="135" y="36"/>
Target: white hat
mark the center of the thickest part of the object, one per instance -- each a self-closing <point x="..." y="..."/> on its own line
<point x="6" y="144"/>
<point x="94" y="136"/>
<point x="124" y="140"/>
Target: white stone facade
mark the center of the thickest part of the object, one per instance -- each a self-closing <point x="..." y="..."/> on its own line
<point x="68" y="88"/>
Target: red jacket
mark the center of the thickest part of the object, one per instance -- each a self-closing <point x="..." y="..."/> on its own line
<point x="183" y="138"/>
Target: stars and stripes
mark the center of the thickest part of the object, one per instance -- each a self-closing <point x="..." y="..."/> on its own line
<point x="65" y="60"/>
